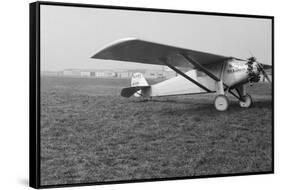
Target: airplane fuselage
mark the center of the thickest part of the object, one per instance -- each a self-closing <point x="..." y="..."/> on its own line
<point x="233" y="74"/>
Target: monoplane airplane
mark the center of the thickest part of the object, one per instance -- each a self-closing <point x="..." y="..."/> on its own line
<point x="206" y="72"/>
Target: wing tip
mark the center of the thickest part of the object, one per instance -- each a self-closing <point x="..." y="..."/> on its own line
<point x="122" y="40"/>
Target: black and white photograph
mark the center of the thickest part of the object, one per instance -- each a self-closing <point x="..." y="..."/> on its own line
<point x="142" y="95"/>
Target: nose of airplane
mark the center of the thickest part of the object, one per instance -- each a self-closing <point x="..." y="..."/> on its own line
<point x="256" y="69"/>
<point x="253" y="70"/>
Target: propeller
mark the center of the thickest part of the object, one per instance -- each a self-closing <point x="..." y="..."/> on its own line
<point x="260" y="68"/>
<point x="253" y="76"/>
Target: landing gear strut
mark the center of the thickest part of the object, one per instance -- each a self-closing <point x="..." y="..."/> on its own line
<point x="246" y="101"/>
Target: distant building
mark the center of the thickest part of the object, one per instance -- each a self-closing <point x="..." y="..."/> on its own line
<point x="85" y="73"/>
<point x="93" y="74"/>
<point x="110" y="74"/>
<point x="105" y="74"/>
<point x="72" y="72"/>
<point x="50" y="73"/>
<point x="67" y="72"/>
<point x="99" y="74"/>
<point x="150" y="74"/>
<point x="123" y="74"/>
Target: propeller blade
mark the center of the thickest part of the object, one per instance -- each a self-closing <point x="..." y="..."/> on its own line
<point x="266" y="76"/>
<point x="264" y="73"/>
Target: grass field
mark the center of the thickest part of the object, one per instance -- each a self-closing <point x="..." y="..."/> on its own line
<point x="89" y="133"/>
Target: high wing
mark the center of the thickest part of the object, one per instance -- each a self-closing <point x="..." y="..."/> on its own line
<point x="141" y="51"/>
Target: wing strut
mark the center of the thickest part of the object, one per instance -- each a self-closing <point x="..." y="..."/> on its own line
<point x="200" y="67"/>
<point x="187" y="77"/>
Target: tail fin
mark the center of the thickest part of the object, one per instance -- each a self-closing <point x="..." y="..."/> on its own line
<point x="138" y="80"/>
<point x="138" y="86"/>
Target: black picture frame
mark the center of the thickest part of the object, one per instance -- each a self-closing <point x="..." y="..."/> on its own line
<point x="34" y="98"/>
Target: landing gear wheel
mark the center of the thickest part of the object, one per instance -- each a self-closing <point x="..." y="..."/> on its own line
<point x="221" y="102"/>
<point x="247" y="101"/>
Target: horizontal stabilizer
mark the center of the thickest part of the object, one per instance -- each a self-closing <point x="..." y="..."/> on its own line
<point x="128" y="92"/>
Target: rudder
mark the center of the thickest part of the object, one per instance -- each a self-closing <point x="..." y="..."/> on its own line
<point x="138" y="80"/>
<point x="139" y="86"/>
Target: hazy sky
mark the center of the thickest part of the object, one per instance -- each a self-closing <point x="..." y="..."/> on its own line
<point x="71" y="35"/>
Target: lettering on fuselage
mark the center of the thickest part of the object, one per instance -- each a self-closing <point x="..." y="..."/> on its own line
<point x="235" y="68"/>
